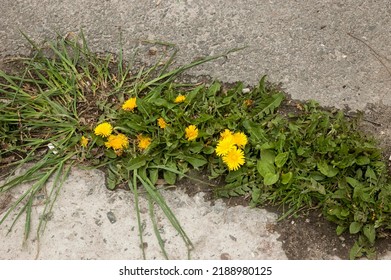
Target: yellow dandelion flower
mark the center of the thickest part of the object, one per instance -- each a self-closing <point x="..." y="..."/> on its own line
<point x="226" y="133"/>
<point x="104" y="129"/>
<point x="225" y="145"/>
<point x="84" y="141"/>
<point x="234" y="159"/>
<point x="117" y="142"/>
<point x="248" y="102"/>
<point x="129" y="104"/>
<point x="191" y="132"/>
<point x="240" y="139"/>
<point x="180" y="98"/>
<point x="161" y="123"/>
<point x="143" y="141"/>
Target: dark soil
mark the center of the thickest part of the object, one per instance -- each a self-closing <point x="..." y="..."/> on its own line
<point x="305" y="236"/>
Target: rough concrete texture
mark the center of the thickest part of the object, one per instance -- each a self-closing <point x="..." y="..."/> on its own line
<point x="91" y="222"/>
<point x="303" y="44"/>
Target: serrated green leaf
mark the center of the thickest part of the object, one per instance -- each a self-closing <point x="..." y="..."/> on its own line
<point x="370" y="174"/>
<point x="269" y="104"/>
<point x="196" y="147"/>
<point x="317" y="176"/>
<point x="192" y="94"/>
<point x="286" y="178"/>
<point x="161" y="102"/>
<point x="315" y="186"/>
<point x="300" y="151"/>
<point x="268" y="146"/>
<point x="196" y="160"/>
<point x="233" y="176"/>
<point x="345" y="213"/>
<point x="213" y="89"/>
<point x="327" y="170"/>
<point x="257" y="134"/>
<point x="370" y="233"/>
<point x="262" y="85"/>
<point x="208" y="150"/>
<point x="113" y="176"/>
<point x="233" y="193"/>
<point x="268" y="156"/>
<point x="265" y="167"/>
<point x="169" y="177"/>
<point x="340" y="229"/>
<point x="111" y="184"/>
<point x="256" y="193"/>
<point x="153" y="175"/>
<point x="110" y="153"/>
<point x="356" y="251"/>
<point x="355" y="227"/>
<point x="202" y="118"/>
<point x="135" y="163"/>
<point x="353" y="182"/>
<point x="362" y="160"/>
<point x="281" y="159"/>
<point x="270" y="179"/>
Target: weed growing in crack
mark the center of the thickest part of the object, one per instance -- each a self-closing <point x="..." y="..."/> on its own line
<point x="140" y="127"/>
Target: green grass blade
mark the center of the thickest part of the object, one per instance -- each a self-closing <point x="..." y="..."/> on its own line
<point x="155" y="227"/>
<point x="158" y="198"/>
<point x="133" y="187"/>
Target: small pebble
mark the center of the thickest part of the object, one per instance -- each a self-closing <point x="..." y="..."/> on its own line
<point x="245" y="90"/>
<point x="232" y="237"/>
<point x="111" y="217"/>
<point x="225" y="256"/>
<point x="152" y="51"/>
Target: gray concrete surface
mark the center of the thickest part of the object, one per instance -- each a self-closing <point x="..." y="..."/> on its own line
<point x="90" y="222"/>
<point x="303" y="44"/>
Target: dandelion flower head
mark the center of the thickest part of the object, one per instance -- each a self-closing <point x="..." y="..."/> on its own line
<point x="129" y="104"/>
<point x="248" y="102"/>
<point x="104" y="129"/>
<point x="180" y="98"/>
<point x="161" y="123"/>
<point x="143" y="141"/>
<point x="84" y="141"/>
<point x="226" y="133"/>
<point x="240" y="139"/>
<point x="225" y="145"/>
<point x="191" y="132"/>
<point x="117" y="142"/>
<point x="234" y="158"/>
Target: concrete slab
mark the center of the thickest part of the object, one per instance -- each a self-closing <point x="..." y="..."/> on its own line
<point x="91" y="222"/>
<point x="305" y="45"/>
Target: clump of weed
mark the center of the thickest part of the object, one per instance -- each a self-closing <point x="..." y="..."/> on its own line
<point x="74" y="107"/>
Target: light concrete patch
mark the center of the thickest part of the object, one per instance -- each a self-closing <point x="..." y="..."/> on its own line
<point x="90" y="222"/>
